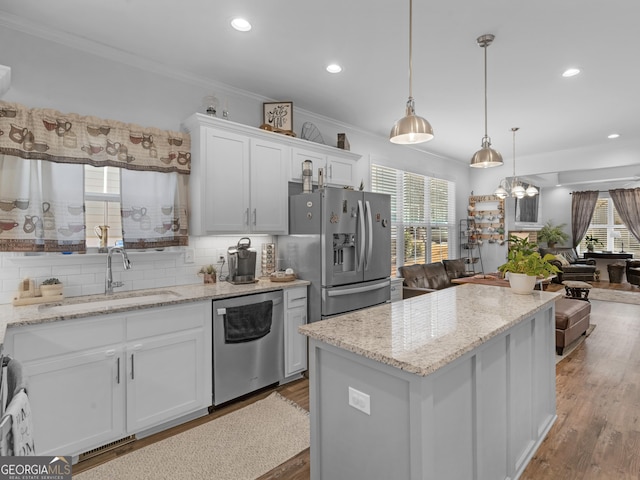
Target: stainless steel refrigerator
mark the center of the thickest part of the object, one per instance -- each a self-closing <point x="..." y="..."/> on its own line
<point x="339" y="240"/>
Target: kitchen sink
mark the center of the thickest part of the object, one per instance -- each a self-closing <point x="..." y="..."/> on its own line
<point x="105" y="302"/>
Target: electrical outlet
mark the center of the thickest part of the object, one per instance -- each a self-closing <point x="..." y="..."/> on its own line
<point x="189" y="255"/>
<point x="359" y="400"/>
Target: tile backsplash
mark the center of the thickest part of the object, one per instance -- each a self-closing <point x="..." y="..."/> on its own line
<point x="85" y="274"/>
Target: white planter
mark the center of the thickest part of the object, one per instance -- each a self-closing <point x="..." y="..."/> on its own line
<point x="521" y="283"/>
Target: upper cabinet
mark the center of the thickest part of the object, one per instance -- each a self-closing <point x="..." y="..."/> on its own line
<point x="339" y="165"/>
<point x="238" y="179"/>
<point x="239" y="175"/>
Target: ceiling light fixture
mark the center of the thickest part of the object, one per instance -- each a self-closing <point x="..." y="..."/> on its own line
<point x="571" y="72"/>
<point x="241" y="24"/>
<point x="334" y="68"/>
<point x="613" y="135"/>
<point x="486" y="156"/>
<point x="511" y="186"/>
<point x="411" y="128"/>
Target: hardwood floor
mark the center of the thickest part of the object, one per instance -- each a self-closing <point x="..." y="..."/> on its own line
<point x="596" y="435"/>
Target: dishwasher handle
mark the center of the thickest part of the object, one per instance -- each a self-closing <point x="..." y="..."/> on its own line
<point x="223" y="310"/>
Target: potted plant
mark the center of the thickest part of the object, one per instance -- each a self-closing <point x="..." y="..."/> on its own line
<point x="552" y="234"/>
<point x="51" y="287"/>
<point x="591" y="241"/>
<point x="209" y="273"/>
<point x="525" y="265"/>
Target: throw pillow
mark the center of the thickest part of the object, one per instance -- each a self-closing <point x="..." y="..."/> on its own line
<point x="563" y="261"/>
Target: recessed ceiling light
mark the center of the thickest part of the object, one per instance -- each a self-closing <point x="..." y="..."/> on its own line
<point x="613" y="135"/>
<point x="571" y="72"/>
<point x="334" y="68"/>
<point x="241" y="24"/>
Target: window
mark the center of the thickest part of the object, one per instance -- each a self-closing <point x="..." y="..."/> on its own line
<point x="102" y="202"/>
<point x="604" y="223"/>
<point x="422" y="215"/>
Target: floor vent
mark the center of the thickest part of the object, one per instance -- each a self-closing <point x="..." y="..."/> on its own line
<point x="105" y="448"/>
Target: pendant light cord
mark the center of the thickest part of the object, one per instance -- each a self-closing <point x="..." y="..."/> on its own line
<point x="485" y="91"/>
<point x="411" y="50"/>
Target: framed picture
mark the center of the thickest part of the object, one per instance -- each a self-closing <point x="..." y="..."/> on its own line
<point x="278" y="115"/>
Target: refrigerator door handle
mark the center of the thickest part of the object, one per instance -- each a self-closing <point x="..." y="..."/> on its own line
<point x="351" y="291"/>
<point x="361" y="243"/>
<point x="367" y="260"/>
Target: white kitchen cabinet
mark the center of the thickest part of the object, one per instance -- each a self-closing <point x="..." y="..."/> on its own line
<point x="295" y="344"/>
<point x="76" y="400"/>
<point x="96" y="380"/>
<point x="168" y="371"/>
<point x="339" y="166"/>
<point x="341" y="172"/>
<point x="238" y="181"/>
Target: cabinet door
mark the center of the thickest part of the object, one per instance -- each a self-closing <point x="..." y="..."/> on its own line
<point x="298" y="156"/>
<point x="269" y="192"/>
<point x="77" y="401"/>
<point x="340" y="172"/>
<point x="295" y="344"/>
<point x="165" y="378"/>
<point x="224" y="183"/>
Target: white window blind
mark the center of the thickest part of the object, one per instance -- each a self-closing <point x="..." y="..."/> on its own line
<point x="422" y="215"/>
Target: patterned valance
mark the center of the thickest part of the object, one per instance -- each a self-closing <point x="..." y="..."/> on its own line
<point x="44" y="134"/>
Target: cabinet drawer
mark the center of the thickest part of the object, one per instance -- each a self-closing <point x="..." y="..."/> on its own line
<point x="296" y="297"/>
<point x="163" y="320"/>
<point x="59" y="338"/>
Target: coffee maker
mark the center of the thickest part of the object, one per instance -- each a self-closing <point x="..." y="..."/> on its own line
<point x="242" y="262"/>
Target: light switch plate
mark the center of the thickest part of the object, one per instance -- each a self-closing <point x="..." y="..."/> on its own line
<point x="189" y="255"/>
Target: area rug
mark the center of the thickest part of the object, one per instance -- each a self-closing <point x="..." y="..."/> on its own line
<point x="614" y="296"/>
<point x="244" y="444"/>
<point x="569" y="349"/>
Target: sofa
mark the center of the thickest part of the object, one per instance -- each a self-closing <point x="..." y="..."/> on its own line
<point x="632" y="268"/>
<point x="425" y="278"/>
<point x="571" y="266"/>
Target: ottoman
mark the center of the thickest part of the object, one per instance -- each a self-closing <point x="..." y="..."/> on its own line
<point x="572" y="320"/>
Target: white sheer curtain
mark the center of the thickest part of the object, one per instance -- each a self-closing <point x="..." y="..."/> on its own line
<point x="41" y="206"/>
<point x="154" y="216"/>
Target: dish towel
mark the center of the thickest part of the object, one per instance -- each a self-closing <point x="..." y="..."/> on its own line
<point x="19" y="410"/>
<point x="248" y="322"/>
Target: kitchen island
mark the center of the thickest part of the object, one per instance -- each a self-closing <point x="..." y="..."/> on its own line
<point x="456" y="384"/>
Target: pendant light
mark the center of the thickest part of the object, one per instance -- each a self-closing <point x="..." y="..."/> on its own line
<point x="411" y="128"/>
<point x="512" y="186"/>
<point x="486" y="156"/>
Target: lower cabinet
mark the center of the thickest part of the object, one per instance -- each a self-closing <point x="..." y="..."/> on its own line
<point x="95" y="380"/>
<point x="295" y="344"/>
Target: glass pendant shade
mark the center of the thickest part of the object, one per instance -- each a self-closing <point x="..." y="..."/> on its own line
<point x="518" y="191"/>
<point x="411" y="128"/>
<point x="531" y="191"/>
<point x="501" y="193"/>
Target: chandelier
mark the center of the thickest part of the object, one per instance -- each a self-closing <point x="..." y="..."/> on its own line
<point x="512" y="186"/>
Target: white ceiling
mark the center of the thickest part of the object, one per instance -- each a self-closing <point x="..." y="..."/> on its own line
<point x="284" y="57"/>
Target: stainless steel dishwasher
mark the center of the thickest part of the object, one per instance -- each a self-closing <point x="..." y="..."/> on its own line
<point x="248" y="344"/>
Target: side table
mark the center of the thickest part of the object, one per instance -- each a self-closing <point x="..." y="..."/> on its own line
<point x="577" y="290"/>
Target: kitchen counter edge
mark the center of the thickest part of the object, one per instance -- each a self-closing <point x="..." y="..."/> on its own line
<point x="42" y="313"/>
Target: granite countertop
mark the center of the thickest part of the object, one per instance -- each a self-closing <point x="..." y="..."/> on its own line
<point x="92" y="305"/>
<point x="424" y="333"/>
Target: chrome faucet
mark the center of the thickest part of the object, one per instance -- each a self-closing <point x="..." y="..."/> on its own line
<point x="109" y="284"/>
